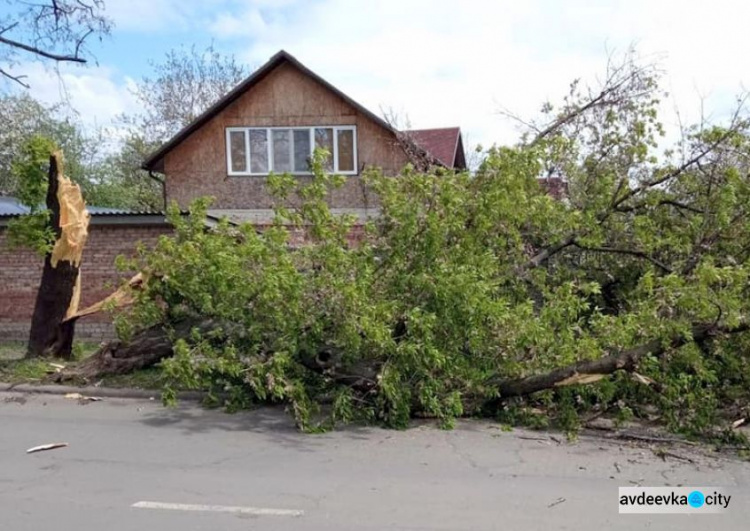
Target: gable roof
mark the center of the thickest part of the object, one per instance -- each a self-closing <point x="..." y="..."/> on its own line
<point x="444" y="144"/>
<point x="155" y="161"/>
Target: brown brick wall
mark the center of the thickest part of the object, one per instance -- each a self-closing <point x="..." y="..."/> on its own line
<point x="20" y="272"/>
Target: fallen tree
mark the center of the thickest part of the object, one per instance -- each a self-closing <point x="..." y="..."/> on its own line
<point x="470" y="290"/>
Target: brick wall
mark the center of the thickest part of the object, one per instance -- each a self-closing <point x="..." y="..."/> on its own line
<point x="21" y="270"/>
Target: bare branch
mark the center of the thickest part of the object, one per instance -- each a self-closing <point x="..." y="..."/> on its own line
<point x="17" y="79"/>
<point x="43" y="53"/>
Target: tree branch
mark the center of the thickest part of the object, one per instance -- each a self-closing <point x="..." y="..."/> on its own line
<point x="17" y="79"/>
<point x="43" y="53"/>
<point x="615" y="250"/>
<point x="592" y="370"/>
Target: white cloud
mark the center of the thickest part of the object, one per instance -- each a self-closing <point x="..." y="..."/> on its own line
<point x="446" y="62"/>
<point x="228" y="25"/>
<point x="95" y="95"/>
<point x="441" y="62"/>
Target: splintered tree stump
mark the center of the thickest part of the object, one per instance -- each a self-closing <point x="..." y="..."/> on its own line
<point x="59" y="289"/>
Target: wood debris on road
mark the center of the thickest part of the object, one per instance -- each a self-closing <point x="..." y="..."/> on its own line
<point x="46" y="447"/>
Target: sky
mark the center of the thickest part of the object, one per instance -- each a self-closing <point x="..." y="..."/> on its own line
<point x="436" y="63"/>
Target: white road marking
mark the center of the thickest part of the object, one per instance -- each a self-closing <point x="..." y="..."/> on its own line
<point x="256" y="511"/>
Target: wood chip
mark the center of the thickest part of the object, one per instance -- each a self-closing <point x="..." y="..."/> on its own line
<point x="645" y="380"/>
<point x="46" y="447"/>
<point x="737" y="423"/>
<point x="558" y="501"/>
<point x="84" y="398"/>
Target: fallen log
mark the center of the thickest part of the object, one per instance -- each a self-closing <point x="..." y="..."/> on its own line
<point x="145" y="349"/>
<point x="60" y="287"/>
<point x="590" y="371"/>
<point x="155" y="344"/>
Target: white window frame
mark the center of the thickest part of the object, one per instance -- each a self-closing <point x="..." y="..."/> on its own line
<point x="291" y="129"/>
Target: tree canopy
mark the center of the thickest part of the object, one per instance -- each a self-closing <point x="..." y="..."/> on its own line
<point x="469" y="291"/>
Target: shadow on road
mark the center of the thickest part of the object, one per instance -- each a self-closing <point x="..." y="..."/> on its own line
<point x="272" y="422"/>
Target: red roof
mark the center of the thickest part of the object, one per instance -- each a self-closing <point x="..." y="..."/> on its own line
<point x="444" y="144"/>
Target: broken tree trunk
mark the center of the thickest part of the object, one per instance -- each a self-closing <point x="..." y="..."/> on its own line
<point x="147" y="348"/>
<point x="59" y="290"/>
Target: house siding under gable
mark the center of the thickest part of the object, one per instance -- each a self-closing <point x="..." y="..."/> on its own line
<point x="286" y="97"/>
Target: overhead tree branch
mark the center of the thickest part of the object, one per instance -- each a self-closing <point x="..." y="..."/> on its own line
<point x="44" y="53"/>
<point x="17" y="79"/>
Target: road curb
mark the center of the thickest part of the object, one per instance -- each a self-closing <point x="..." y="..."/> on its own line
<point x="104" y="392"/>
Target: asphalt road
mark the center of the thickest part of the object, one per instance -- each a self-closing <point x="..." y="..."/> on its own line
<point x="133" y="465"/>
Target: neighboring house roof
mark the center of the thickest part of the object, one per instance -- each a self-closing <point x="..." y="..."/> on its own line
<point x="155" y="162"/>
<point x="10" y="207"/>
<point x="445" y="144"/>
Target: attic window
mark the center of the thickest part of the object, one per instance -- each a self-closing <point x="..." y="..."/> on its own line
<point x="259" y="151"/>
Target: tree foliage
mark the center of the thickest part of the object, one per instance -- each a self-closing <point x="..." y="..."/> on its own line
<point x="29" y="169"/>
<point x="108" y="178"/>
<point x="469" y="290"/>
<point x="24" y="119"/>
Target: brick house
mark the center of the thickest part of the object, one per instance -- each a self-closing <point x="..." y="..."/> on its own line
<point x="271" y="121"/>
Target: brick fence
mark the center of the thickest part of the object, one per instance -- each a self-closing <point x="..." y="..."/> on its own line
<point x="21" y="270"/>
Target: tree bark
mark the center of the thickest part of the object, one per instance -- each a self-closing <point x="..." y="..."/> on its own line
<point x="116" y="357"/>
<point x="59" y="288"/>
<point x="147" y="348"/>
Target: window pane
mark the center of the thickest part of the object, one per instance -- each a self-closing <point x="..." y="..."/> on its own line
<point x="301" y="149"/>
<point x="282" y="159"/>
<point x="324" y="139"/>
<point x="237" y="154"/>
<point x="346" y="150"/>
<point x="258" y="151"/>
